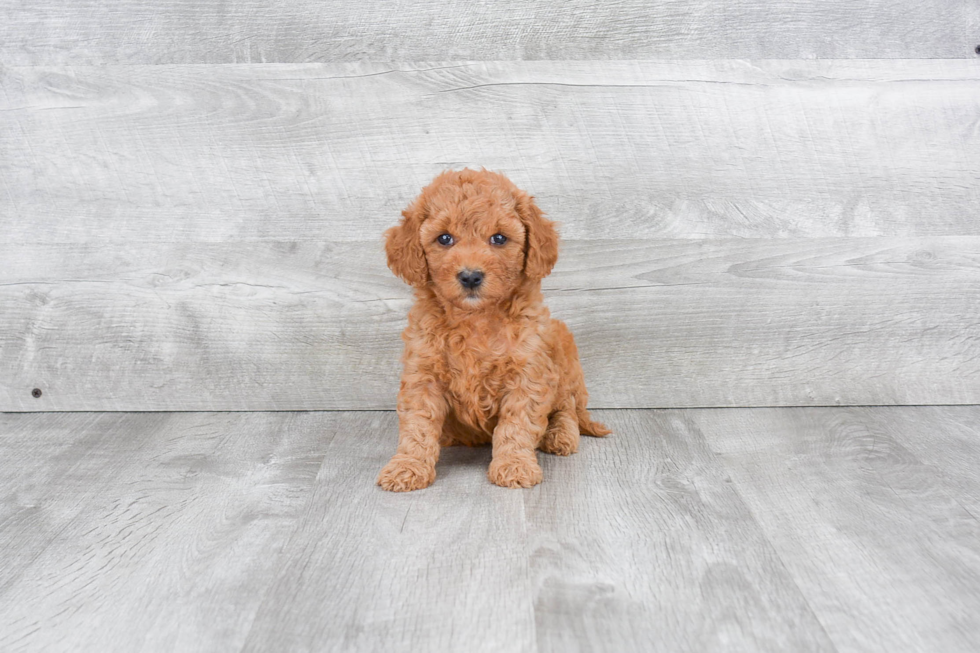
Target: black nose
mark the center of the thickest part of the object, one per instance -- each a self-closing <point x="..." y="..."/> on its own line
<point x="470" y="279"/>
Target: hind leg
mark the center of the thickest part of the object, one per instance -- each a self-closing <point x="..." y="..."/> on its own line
<point x="575" y="382"/>
<point x="561" y="436"/>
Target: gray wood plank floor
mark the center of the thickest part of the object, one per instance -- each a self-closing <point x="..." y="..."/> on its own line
<point x="803" y="529"/>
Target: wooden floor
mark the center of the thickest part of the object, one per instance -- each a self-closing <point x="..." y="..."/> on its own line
<point x="786" y="529"/>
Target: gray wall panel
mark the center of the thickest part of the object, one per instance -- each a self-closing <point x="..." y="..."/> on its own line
<point x="612" y="150"/>
<point x="249" y="31"/>
<point x="274" y="326"/>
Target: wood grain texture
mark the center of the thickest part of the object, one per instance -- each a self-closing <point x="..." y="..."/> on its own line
<point x="44" y="454"/>
<point x="257" y="531"/>
<point x="172" y="31"/>
<point x="282" y="326"/>
<point x="639" y="543"/>
<point x="946" y="440"/>
<point x="878" y="542"/>
<point x="736" y="529"/>
<point x="151" y="531"/>
<point x="611" y="149"/>
<point x="444" y="569"/>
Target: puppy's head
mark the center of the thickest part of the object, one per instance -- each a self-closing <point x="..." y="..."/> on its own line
<point x="473" y="237"/>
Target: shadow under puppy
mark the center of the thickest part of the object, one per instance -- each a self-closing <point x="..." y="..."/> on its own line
<point x="484" y="361"/>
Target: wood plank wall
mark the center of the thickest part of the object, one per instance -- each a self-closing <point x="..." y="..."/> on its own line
<point x="45" y="32"/>
<point x="762" y="203"/>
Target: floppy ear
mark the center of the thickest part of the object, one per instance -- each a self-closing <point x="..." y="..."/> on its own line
<point x="406" y="258"/>
<point x="541" y="247"/>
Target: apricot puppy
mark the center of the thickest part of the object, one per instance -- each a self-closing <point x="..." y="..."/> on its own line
<point x="484" y="361"/>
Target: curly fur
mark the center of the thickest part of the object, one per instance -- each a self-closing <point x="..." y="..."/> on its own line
<point x="488" y="365"/>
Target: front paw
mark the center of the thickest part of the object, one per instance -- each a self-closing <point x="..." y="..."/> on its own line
<point x="515" y="470"/>
<point x="404" y="473"/>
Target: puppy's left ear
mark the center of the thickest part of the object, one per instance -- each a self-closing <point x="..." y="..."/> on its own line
<point x="541" y="247"/>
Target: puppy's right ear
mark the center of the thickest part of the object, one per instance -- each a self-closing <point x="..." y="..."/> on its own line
<point x="406" y="258"/>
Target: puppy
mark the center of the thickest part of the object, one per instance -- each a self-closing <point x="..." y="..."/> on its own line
<point x="484" y="361"/>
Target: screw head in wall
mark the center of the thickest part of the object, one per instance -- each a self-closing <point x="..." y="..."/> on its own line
<point x="36" y="393"/>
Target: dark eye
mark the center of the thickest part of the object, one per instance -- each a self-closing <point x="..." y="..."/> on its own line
<point x="498" y="239"/>
<point x="445" y="239"/>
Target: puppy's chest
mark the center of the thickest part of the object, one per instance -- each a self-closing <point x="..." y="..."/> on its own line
<point x="478" y="367"/>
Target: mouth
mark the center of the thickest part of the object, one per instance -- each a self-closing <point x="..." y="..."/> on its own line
<point x="470" y="296"/>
